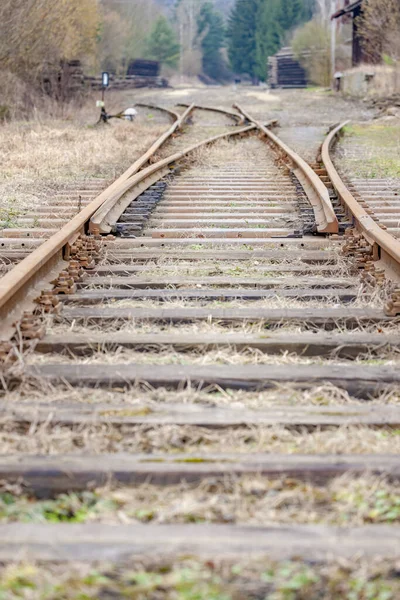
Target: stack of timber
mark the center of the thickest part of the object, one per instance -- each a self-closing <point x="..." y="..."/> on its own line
<point x="127" y="83"/>
<point x="285" y="71"/>
<point x="140" y="73"/>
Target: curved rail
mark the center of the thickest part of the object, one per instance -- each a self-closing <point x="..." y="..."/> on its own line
<point x="110" y="211"/>
<point x="388" y="245"/>
<point x="139" y="164"/>
<point x="237" y="117"/>
<point x="316" y="191"/>
<point x="41" y="261"/>
<point x="172" y="113"/>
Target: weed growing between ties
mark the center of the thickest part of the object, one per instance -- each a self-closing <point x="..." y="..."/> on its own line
<point x="200" y="442"/>
<point x="255" y="500"/>
<point x="185" y="578"/>
<point x="144" y="396"/>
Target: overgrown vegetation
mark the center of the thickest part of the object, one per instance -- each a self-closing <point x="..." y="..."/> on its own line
<point x="371" y="151"/>
<point x="35" y="35"/>
<point x="162" y="44"/>
<point x="184" y="578"/>
<point x="344" y="501"/>
<point x="379" y="26"/>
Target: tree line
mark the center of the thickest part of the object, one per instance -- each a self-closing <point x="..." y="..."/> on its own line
<point x="191" y="36"/>
<point x="258" y="29"/>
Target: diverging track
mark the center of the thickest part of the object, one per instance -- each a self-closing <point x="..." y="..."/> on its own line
<point x="215" y="342"/>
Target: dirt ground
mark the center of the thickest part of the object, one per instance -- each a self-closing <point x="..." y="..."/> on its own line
<point x="304" y="115"/>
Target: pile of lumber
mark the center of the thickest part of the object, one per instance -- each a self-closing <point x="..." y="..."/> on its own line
<point x="285" y="71"/>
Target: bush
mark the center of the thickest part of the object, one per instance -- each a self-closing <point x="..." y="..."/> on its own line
<point x="312" y="47"/>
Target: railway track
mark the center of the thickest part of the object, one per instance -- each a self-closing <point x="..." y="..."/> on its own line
<point x="240" y="326"/>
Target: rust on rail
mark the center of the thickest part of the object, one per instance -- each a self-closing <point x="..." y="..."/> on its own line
<point x="44" y="259"/>
<point x="316" y="191"/>
<point x="388" y="246"/>
<point x="110" y="211"/>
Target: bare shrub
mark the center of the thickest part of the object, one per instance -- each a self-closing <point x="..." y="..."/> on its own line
<point x="311" y="45"/>
<point x="379" y="26"/>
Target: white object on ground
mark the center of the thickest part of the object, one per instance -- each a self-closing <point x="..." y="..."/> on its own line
<point x="130" y="114"/>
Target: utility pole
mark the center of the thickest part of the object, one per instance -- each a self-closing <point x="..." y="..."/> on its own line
<point x="333" y="41"/>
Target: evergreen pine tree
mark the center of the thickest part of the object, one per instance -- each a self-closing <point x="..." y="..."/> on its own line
<point x="242" y="47"/>
<point x="212" y="32"/>
<point x="257" y="30"/>
<point x="162" y="43"/>
<point x="269" y="34"/>
<point x="291" y="13"/>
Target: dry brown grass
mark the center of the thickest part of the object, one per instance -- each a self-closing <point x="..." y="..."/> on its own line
<point x="42" y="155"/>
<point x="213" y="395"/>
<point x="246" y="153"/>
<point x="254" y="500"/>
<point x="199" y="441"/>
<point x="187" y="577"/>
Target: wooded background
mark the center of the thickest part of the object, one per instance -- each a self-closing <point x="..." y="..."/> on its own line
<point x="214" y="39"/>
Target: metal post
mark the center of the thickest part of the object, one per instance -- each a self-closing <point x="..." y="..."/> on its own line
<point x="333" y="43"/>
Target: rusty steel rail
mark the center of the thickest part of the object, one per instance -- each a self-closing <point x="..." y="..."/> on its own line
<point x="110" y="211"/>
<point x="41" y="263"/>
<point x="387" y="246"/>
<point x="17" y="287"/>
<point x="143" y="160"/>
<point x="235" y="116"/>
<point x="316" y="191"/>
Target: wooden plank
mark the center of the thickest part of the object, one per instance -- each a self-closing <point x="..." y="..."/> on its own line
<point x="212" y="221"/>
<point x="359" y="380"/>
<point x="116" y="414"/>
<point x="301" y="254"/>
<point x="220" y="294"/>
<point x="217" y="280"/>
<point x="305" y="269"/>
<point x="237" y="197"/>
<point x="344" y="345"/>
<point x="217" y="232"/>
<point x="216" y="202"/>
<point x="73" y="542"/>
<point x="18" y="243"/>
<point x="30" y="232"/>
<point x="323" y="317"/>
<point x="283" y="242"/>
<point x="218" y="212"/>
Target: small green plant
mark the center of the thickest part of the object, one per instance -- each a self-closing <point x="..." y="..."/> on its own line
<point x="9" y="218"/>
